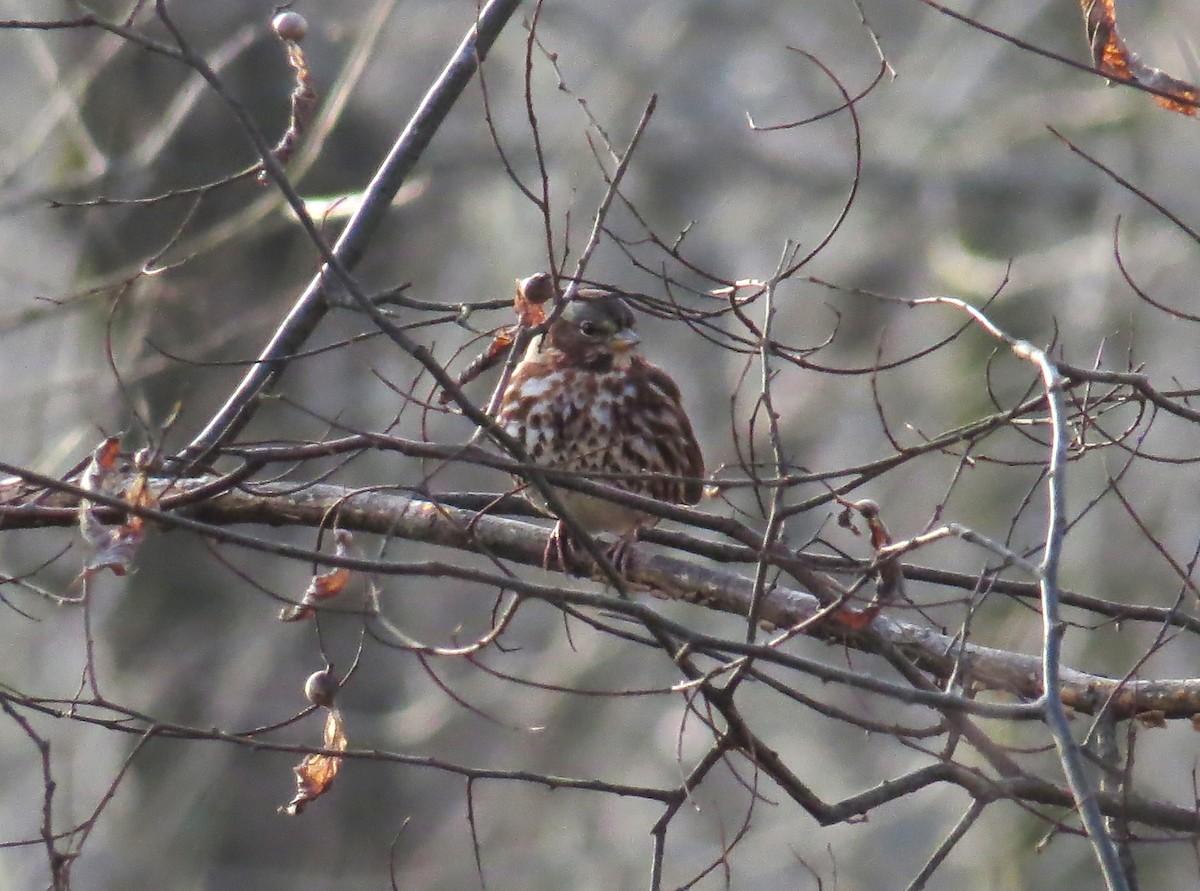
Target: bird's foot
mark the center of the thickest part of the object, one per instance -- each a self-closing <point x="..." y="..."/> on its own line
<point x="559" y="549"/>
<point x="562" y="550"/>
<point x="620" y="552"/>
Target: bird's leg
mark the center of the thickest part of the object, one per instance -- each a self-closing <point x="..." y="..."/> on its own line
<point x="620" y="551"/>
<point x="558" y="549"/>
<point x="561" y="550"/>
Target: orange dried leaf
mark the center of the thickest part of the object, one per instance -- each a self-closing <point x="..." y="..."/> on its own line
<point x="104" y="461"/>
<point x="331" y="584"/>
<point x="1114" y="57"/>
<point x="113" y="547"/>
<point x="315" y="774"/>
<point x="856" y="619"/>
<point x="1155" y="719"/>
<point x="99" y="475"/>
<point x="532" y="293"/>
<point x="324" y="586"/>
<point x="890" y="581"/>
<point x="880" y="537"/>
<point x="139" y="493"/>
<point x="485" y="361"/>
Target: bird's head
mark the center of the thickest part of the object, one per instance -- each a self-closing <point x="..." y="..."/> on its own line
<point x="595" y="331"/>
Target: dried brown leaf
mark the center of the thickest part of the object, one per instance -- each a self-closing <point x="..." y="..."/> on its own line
<point x="291" y="29"/>
<point x="315" y="774"/>
<point x="856" y="619"/>
<point x="113" y="547"/>
<point x="1155" y="719"/>
<point x="103" y="463"/>
<point x="117" y="550"/>
<point x="529" y="304"/>
<point x="533" y="293"/>
<point x="485" y="361"/>
<point x="323" y="586"/>
<point x="890" y="582"/>
<point x="1114" y="57"/>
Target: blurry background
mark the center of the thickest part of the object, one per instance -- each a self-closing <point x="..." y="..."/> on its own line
<point x="960" y="178"/>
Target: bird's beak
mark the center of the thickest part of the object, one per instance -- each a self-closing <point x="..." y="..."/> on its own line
<point x="624" y="340"/>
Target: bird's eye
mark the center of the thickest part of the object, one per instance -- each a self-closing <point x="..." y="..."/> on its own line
<point x="589" y="329"/>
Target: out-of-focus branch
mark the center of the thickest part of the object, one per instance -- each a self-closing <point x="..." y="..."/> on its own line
<point x="981" y="788"/>
<point x="310" y="308"/>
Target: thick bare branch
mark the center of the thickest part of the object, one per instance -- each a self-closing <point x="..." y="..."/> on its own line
<point x="942" y="655"/>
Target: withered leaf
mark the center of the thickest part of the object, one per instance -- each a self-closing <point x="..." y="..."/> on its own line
<point x="291" y="28"/>
<point x="103" y="463"/>
<point x="113" y="547"/>
<point x="1155" y="719"/>
<point x="890" y="572"/>
<point x="1114" y="57"/>
<point x="529" y="304"/>
<point x="324" y="586"/>
<point x="856" y="619"/>
<point x="488" y="359"/>
<point x="315" y="774"/>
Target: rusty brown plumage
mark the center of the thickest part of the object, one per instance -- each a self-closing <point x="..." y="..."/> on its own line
<point x="580" y="400"/>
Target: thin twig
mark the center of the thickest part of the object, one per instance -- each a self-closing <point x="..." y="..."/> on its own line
<point x="1052" y="626"/>
<point x="305" y="315"/>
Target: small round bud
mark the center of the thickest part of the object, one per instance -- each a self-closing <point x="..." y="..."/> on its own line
<point x="290" y="25"/>
<point x="537" y="289"/>
<point x="320" y="687"/>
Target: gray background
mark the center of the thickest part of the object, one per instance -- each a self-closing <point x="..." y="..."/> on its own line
<point x="959" y="176"/>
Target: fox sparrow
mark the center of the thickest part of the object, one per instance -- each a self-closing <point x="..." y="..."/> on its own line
<point x="580" y="400"/>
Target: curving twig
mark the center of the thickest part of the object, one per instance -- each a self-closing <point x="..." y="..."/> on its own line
<point x="1053" y="627"/>
<point x="310" y="308"/>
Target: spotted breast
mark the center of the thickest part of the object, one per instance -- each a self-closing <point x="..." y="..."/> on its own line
<point x="580" y="400"/>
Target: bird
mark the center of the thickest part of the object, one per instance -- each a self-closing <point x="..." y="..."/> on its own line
<point x="582" y="400"/>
